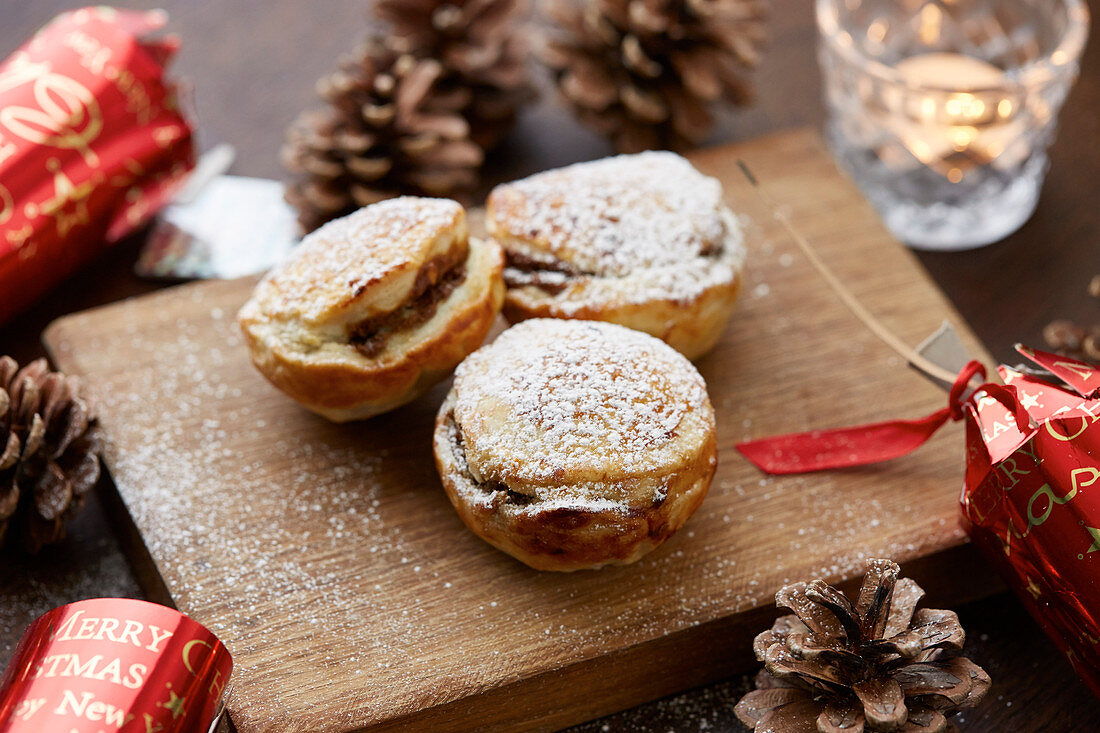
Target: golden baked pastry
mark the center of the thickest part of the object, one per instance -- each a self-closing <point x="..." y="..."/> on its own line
<point x="575" y="444"/>
<point x="371" y="310"/>
<point x="641" y="240"/>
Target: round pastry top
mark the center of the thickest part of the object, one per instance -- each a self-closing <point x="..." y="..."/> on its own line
<point x="350" y="260"/>
<point x="559" y="402"/>
<point x="613" y="216"/>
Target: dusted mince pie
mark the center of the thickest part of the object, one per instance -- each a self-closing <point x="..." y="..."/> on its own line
<point x="644" y="241"/>
<point x="373" y="309"/>
<point x="576" y="444"/>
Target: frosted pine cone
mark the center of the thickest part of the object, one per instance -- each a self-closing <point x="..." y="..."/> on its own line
<point x="876" y="665"/>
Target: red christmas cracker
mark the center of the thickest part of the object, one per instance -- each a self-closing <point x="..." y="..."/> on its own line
<point x="92" y="143"/>
<point x="1032" y="501"/>
<point x="114" y="664"/>
<point x="1031" y="496"/>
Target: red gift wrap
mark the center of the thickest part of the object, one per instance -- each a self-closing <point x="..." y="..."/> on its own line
<point x="1032" y="499"/>
<point x="114" y="664"/>
<point x="92" y="143"/>
<point x="1031" y="496"/>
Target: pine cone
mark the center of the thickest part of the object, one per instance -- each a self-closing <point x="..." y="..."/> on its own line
<point x="874" y="666"/>
<point x="388" y="130"/>
<point x="50" y="453"/>
<point x="1075" y="340"/>
<point x="647" y="73"/>
<point x="482" y="50"/>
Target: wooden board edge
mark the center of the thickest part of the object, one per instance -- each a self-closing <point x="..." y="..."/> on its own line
<point x="134" y="549"/>
<point x="671" y="664"/>
<point x="172" y="292"/>
<point x="118" y="514"/>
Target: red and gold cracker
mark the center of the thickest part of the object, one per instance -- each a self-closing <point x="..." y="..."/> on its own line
<point x="92" y="143"/>
<point x="114" y="664"/>
<point x="1032" y="500"/>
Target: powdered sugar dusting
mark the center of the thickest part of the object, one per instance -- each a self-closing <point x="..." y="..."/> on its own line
<point x="650" y="219"/>
<point x="351" y="253"/>
<point x="616" y="215"/>
<point x="550" y="398"/>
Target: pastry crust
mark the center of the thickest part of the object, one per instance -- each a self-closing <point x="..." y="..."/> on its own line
<point x="373" y="309"/>
<point x="644" y="241"/>
<point x="572" y="444"/>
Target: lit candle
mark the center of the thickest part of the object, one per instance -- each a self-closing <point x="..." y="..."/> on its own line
<point x="962" y="117"/>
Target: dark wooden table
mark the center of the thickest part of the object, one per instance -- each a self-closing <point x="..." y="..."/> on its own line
<point x="253" y="64"/>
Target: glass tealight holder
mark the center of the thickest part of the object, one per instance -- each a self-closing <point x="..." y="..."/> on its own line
<point x="942" y="111"/>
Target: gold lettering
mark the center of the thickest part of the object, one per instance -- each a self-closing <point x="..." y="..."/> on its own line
<point x="1008" y="466"/>
<point x="1066" y="438"/>
<point x="53" y="660"/>
<point x="93" y="54"/>
<point x="1048" y="492"/>
<point x="21" y="70"/>
<point x="216" y="685"/>
<point x="998" y="428"/>
<point x="1077" y="474"/>
<point x="1080" y="370"/>
<point x="187" y="653"/>
<point x="68" y="115"/>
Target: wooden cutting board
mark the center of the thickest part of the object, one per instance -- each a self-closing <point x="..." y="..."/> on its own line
<point x="329" y="561"/>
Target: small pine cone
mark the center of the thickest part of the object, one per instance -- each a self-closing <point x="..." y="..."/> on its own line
<point x="482" y="47"/>
<point x="388" y="130"/>
<point x="1075" y="340"/>
<point x="875" y="665"/>
<point x="49" y="453"/>
<point x="1063" y="335"/>
<point x="648" y="73"/>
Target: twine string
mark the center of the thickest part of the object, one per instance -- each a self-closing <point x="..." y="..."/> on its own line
<point x="853" y="304"/>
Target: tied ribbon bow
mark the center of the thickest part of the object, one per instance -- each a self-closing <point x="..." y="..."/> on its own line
<point x="821" y="450"/>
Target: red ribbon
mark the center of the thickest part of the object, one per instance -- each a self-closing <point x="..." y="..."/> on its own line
<point x="820" y="450"/>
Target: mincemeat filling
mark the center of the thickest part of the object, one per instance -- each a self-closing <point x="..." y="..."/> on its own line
<point x="435" y="282"/>
<point x="522" y="270"/>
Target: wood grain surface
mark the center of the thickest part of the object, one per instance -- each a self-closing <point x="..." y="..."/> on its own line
<point x="330" y="562"/>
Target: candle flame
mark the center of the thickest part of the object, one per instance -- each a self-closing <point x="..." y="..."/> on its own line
<point x="931" y="20"/>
